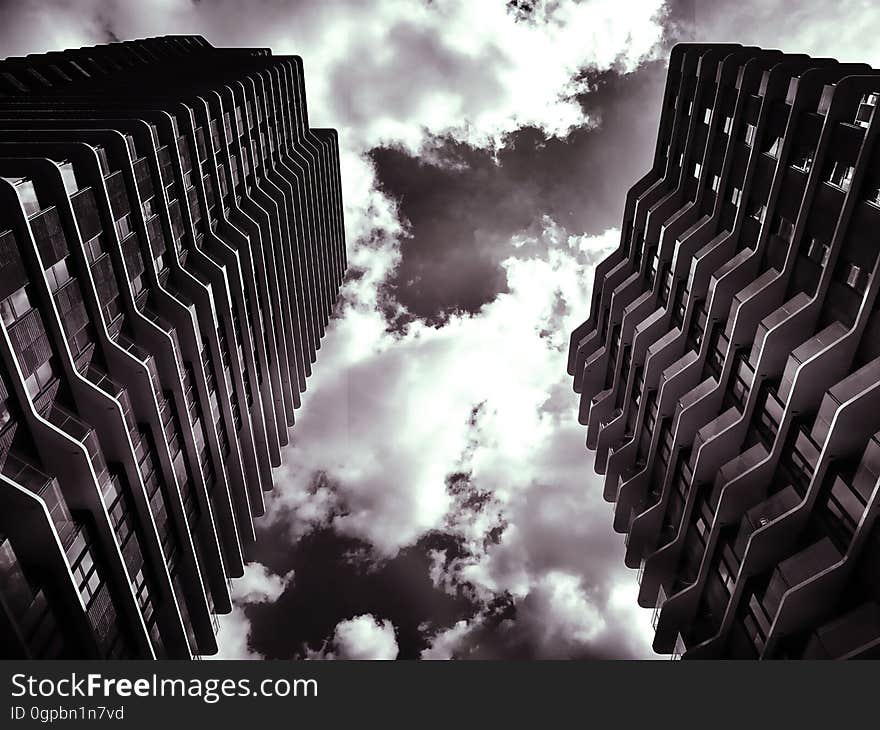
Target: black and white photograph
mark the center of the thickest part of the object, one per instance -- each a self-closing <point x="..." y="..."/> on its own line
<point x="439" y="330"/>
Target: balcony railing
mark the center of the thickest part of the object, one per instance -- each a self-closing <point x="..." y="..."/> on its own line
<point x="35" y="481"/>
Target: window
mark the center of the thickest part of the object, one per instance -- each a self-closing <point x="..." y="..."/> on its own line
<point x="736" y="196"/>
<point x="137" y="284"/>
<point x="728" y="124"/>
<point x="841" y="175"/>
<point x="856" y="278"/>
<point x="68" y="177"/>
<point x="874" y="196"/>
<point x="39" y="379"/>
<point x="149" y="208"/>
<point x="696" y="171"/>
<point x="803" y="160"/>
<point x="102" y="159"/>
<point x="866" y="109"/>
<point x="758" y="211"/>
<point x="93" y="249"/>
<point x="81" y="340"/>
<point x="775" y="146"/>
<point x="15" y="306"/>
<point x="57" y="275"/>
<point x="160" y="263"/>
<point x="112" y="309"/>
<point x="716" y="182"/>
<point x="123" y="226"/>
<point x="707" y="115"/>
<point x="785" y="229"/>
<point x="751" y="129"/>
<point x="27" y="194"/>
<point x="818" y="251"/>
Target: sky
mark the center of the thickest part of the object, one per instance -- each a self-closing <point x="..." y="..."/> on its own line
<point x="437" y="500"/>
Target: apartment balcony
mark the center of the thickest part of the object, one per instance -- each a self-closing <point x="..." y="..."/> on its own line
<point x="740" y="483"/>
<point x="780" y="332"/>
<point x="46" y="488"/>
<point x="862" y="383"/>
<point x="733" y="275"/>
<point x="621" y="466"/>
<point x="815" y="379"/>
<point x="634" y="313"/>
<point x="602" y="408"/>
<point x="82" y="433"/>
<point x="719" y="425"/>
<point x="762" y="515"/>
<point x="612" y="429"/>
<point x="794" y="572"/>
<point x="752" y="303"/>
<point x="707" y="261"/>
<point x="143" y="357"/>
<point x="854" y="635"/>
<point x="661" y="353"/>
<point x="623" y="295"/>
<point x="593" y="376"/>
<point x="694" y="408"/>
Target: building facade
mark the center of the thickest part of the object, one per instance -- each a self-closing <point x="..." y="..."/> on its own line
<point x="171" y="247"/>
<point x="729" y="371"/>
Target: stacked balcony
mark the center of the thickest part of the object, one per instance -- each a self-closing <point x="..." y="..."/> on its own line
<point x="728" y="368"/>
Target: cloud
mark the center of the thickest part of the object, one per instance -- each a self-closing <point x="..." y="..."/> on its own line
<point x="795" y="27"/>
<point x="469" y="429"/>
<point x="361" y="637"/>
<point x="257" y="585"/>
<point x="233" y="637"/>
<point x="439" y="418"/>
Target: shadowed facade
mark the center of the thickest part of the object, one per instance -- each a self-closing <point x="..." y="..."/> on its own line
<point x="729" y="371"/>
<point x="171" y="247"/>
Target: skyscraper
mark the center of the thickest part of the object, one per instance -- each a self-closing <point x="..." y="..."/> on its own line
<point x="729" y="371"/>
<point x="171" y="246"/>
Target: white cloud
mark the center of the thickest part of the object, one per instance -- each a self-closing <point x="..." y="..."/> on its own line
<point x="232" y="638"/>
<point x="257" y="585"/>
<point x="448" y="643"/>
<point x="387" y="417"/>
<point x="361" y="637"/>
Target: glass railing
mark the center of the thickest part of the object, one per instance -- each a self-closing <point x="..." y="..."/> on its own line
<point x="103" y="381"/>
<point x="35" y="481"/>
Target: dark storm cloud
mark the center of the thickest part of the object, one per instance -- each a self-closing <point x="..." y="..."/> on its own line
<point x="463" y="204"/>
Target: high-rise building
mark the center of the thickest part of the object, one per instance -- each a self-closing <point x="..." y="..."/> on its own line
<point x="171" y="246"/>
<point x="729" y="371"/>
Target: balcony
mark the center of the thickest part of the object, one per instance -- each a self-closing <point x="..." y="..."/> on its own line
<point x="805" y="352"/>
<point x="81" y="432"/>
<point x="847" y="389"/>
<point x="35" y="481"/>
<point x="847" y="636"/>
<point x="735" y="468"/>
<point x="798" y="569"/>
<point x="772" y="321"/>
<point x="762" y="515"/>
<point x="715" y="427"/>
<point x="143" y="357"/>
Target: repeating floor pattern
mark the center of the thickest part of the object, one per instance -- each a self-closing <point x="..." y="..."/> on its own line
<point x="729" y="371"/>
<point x="171" y="246"/>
